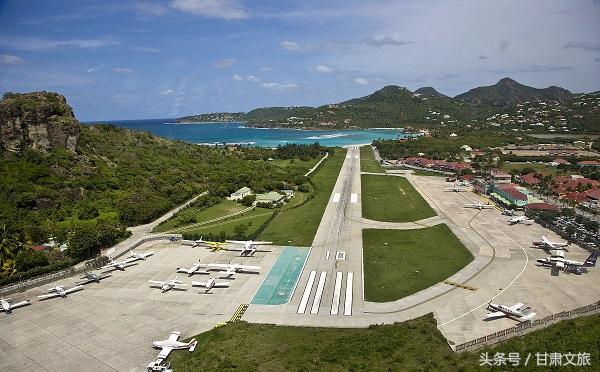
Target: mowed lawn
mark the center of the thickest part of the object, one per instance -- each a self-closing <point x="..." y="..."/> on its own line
<point x="252" y="221"/>
<point x="398" y="263"/>
<point x="298" y="226"/>
<point x="368" y="162"/>
<point x="192" y="215"/>
<point x="415" y="345"/>
<point x="392" y="199"/>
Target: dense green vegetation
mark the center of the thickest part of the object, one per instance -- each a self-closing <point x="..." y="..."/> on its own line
<point x="299" y="225"/>
<point x="398" y="263"/>
<point x="392" y="199"/>
<point x="204" y="209"/>
<point x="415" y="345"/>
<point x="242" y="227"/>
<point x="118" y="178"/>
<point x="368" y="162"/>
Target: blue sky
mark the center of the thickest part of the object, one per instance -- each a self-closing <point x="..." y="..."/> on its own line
<point x="154" y="59"/>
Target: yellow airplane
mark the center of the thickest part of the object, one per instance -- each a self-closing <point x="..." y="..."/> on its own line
<point x="215" y="246"/>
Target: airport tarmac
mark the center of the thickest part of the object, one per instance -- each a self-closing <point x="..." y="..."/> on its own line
<point x="109" y="325"/>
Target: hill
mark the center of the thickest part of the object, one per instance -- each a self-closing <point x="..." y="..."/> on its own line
<point x="507" y="92"/>
<point x="83" y="185"/>
<point x="429" y="92"/>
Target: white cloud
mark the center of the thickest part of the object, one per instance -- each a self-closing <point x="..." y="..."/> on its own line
<point x="9" y="59"/>
<point x="225" y="9"/>
<point x="224" y="63"/>
<point x="323" y="69"/>
<point x="290" y="45"/>
<point x="252" y="78"/>
<point x="146" y="49"/>
<point x="379" y="41"/>
<point x="279" y="86"/>
<point x="122" y="70"/>
<point x="167" y="92"/>
<point x="92" y="70"/>
<point x="150" y="8"/>
<point x="32" y="43"/>
<point x="361" y="81"/>
<point x="237" y="77"/>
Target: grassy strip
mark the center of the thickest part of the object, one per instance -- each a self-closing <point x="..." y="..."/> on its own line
<point x="298" y="226"/>
<point x="368" y="162"/>
<point x="392" y="199"/>
<point x="241" y="227"/>
<point x="415" y="345"/>
<point x="195" y="214"/>
<point x="398" y="263"/>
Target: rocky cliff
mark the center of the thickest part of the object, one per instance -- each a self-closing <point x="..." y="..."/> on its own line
<point x="38" y="120"/>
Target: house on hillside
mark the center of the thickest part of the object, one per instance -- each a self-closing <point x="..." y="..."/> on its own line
<point x="272" y="198"/>
<point x="240" y="194"/>
<point x="558" y="161"/>
<point x="588" y="163"/>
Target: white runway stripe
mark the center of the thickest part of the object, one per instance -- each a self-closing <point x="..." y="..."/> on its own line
<point x="335" y="305"/>
<point x="317" y="301"/>
<point x="336" y="197"/>
<point x="348" y="304"/>
<point x="306" y="294"/>
<point x="354" y="198"/>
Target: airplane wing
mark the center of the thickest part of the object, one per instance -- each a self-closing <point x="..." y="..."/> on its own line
<point x="218" y="266"/>
<point x="148" y="254"/>
<point x="164" y="353"/>
<point x="174" y="336"/>
<point x="156" y="282"/>
<point x="44" y="297"/>
<point x="495" y="314"/>
<point x="222" y="284"/>
<point x="546" y="241"/>
<point x="198" y="284"/>
<point x="248" y="267"/>
<point x="262" y="243"/>
<point x="516" y="306"/>
<point x="74" y="289"/>
<point x="183" y="270"/>
<point x="85" y="281"/>
<point x="19" y="304"/>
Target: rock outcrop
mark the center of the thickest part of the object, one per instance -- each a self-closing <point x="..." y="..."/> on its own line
<point x="40" y="120"/>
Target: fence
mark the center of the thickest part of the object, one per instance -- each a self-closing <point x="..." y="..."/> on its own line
<point x="78" y="269"/>
<point x="524" y="328"/>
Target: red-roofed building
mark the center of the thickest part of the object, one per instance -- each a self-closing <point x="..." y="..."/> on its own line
<point x="38" y="248"/>
<point x="593" y="196"/>
<point x="588" y="163"/>
<point x="529" y="179"/>
<point x="541" y="207"/>
<point x="559" y="161"/>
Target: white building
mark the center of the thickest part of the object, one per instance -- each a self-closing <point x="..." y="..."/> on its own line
<point x="240" y="194"/>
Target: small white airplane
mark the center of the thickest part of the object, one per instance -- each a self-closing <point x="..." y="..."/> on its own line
<point x="509" y="212"/>
<point x="558" y="260"/>
<point x="478" y="205"/>
<point x="167" y="286"/>
<point x="516" y="311"/>
<point x="171" y="344"/>
<point x="60" y="291"/>
<point x="134" y="256"/>
<point x="119" y="265"/>
<point x="92" y="277"/>
<point x="248" y="247"/>
<point x="7" y="306"/>
<point x="194" y="269"/>
<point x="456" y="188"/>
<point x="519" y="219"/>
<point x="210" y="284"/>
<point x="547" y="244"/>
<point x="231" y="269"/>
<point x="197" y="243"/>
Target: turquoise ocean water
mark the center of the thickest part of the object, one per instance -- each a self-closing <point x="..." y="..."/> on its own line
<point x="237" y="133"/>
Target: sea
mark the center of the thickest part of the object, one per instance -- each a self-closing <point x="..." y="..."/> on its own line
<point x="214" y="134"/>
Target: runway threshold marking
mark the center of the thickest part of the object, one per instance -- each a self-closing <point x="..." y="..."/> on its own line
<point x="348" y="303"/>
<point x="336" y="197"/>
<point x="317" y="301"/>
<point x="238" y="313"/>
<point x="306" y="294"/>
<point x="353" y="198"/>
<point x="335" y="305"/>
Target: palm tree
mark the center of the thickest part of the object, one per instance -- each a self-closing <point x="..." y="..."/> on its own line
<point x="9" y="245"/>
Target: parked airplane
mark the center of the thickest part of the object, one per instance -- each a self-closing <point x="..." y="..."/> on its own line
<point x="478" y="205"/>
<point x="547" y="244"/>
<point x="210" y="284"/>
<point x="134" y="256"/>
<point x="60" y="290"/>
<point x="516" y="220"/>
<point x="92" y="277"/>
<point x="215" y="246"/>
<point x="7" y="306"/>
<point x="509" y="212"/>
<point x="171" y="344"/>
<point x="167" y="286"/>
<point x="248" y="246"/>
<point x="119" y="265"/>
<point x="516" y="311"/>
<point x="558" y="260"/>
<point x="231" y="269"/>
<point x="456" y="188"/>
<point x="195" y="269"/>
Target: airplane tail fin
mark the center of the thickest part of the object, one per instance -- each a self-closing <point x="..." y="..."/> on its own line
<point x="591" y="260"/>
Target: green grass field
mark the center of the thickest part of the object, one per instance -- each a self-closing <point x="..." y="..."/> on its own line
<point x="538" y="168"/>
<point x="253" y="220"/>
<point x="368" y="162"/>
<point x="299" y="225"/>
<point x="392" y="199"/>
<point x="411" y="261"/>
<point x="415" y="345"/>
<point x="192" y="215"/>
